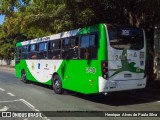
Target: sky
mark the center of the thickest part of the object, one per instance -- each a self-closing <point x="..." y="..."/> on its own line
<point x="1" y="19"/>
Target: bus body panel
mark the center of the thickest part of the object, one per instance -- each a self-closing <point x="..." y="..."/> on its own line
<point x="79" y="75"/>
<point x="126" y="68"/>
<point x="85" y="75"/>
<point x="131" y="68"/>
<point x="76" y="75"/>
<point x="120" y="85"/>
<point x="18" y="71"/>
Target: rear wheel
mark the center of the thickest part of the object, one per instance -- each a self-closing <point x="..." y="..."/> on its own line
<point x="24" y="79"/>
<point x="57" y="84"/>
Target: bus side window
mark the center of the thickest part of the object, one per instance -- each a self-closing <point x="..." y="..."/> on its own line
<point x="93" y="46"/>
<point x="25" y="52"/>
<point x="88" y="47"/>
<point x="18" y="53"/>
<point x="43" y="48"/>
<point x="74" y="48"/>
<point x="55" y="50"/>
<point x="33" y="51"/>
<point x="84" y="47"/>
<point x="65" y="48"/>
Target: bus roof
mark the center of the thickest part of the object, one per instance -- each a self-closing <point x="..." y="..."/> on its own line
<point x="88" y="29"/>
<point x="48" y="38"/>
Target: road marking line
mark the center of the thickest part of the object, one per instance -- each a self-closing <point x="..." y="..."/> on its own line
<point x="11" y="101"/>
<point x="36" y="110"/>
<point x="5" y="108"/>
<point x="28" y="104"/>
<point x="46" y="118"/>
<point x="11" y="94"/>
<point x="2" y="89"/>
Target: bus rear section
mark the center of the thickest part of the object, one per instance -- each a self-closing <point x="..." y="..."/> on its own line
<point x="124" y="68"/>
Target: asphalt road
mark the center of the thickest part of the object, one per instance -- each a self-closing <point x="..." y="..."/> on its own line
<point x="18" y="96"/>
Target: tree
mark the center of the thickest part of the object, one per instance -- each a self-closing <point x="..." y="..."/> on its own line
<point x="33" y="18"/>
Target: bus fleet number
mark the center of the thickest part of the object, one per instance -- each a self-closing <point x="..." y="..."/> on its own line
<point x="91" y="70"/>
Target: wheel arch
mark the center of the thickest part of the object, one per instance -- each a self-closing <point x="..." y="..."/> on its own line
<point x="25" y="72"/>
<point x="22" y="71"/>
<point x="55" y="73"/>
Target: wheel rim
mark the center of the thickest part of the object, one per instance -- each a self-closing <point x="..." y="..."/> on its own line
<point x="23" y="76"/>
<point x="57" y="84"/>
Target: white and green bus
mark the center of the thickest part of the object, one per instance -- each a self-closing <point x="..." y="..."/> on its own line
<point x="96" y="59"/>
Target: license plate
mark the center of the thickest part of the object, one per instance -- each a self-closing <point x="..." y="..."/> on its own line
<point x="127" y="75"/>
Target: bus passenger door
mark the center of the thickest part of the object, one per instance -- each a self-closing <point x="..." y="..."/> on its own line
<point x="81" y="72"/>
<point x="17" y="62"/>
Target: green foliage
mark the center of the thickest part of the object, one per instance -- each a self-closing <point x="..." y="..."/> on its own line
<point x="27" y="19"/>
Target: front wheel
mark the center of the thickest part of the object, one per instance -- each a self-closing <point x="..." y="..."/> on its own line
<point x="24" y="79"/>
<point x="57" y="84"/>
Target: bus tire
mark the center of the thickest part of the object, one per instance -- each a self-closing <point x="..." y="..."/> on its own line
<point x="57" y="84"/>
<point x="23" y="76"/>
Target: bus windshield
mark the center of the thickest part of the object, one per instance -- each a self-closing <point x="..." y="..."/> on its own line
<point x="125" y="37"/>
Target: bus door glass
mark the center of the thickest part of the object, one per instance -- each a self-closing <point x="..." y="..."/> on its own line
<point x="18" y="55"/>
<point x="81" y="63"/>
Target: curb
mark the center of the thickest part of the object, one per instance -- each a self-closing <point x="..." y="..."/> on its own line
<point x="9" y="68"/>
